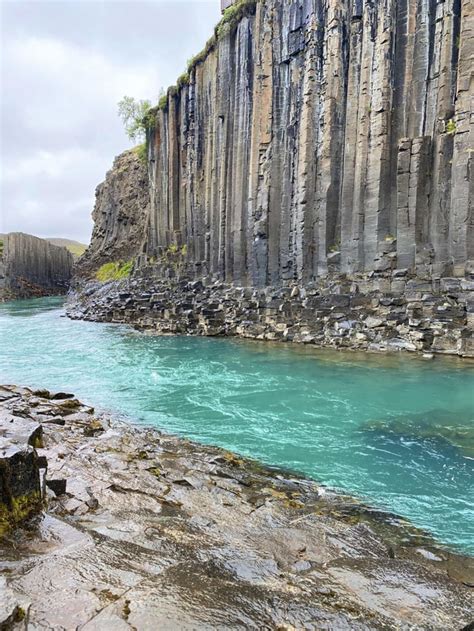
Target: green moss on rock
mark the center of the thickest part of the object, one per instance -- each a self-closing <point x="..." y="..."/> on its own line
<point x="20" y="509"/>
<point x="114" y="271"/>
<point x="233" y="15"/>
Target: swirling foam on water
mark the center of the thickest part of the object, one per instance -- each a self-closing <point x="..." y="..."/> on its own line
<point x="394" y="430"/>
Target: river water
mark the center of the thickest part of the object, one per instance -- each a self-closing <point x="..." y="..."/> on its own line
<point x="396" y="431"/>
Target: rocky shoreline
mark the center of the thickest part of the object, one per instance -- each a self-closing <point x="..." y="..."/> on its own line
<point x="385" y="312"/>
<point x="142" y="530"/>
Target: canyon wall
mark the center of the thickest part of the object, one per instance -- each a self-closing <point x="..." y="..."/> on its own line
<point x="321" y="136"/>
<point x="120" y="214"/>
<point x="32" y="267"/>
<point x="309" y="180"/>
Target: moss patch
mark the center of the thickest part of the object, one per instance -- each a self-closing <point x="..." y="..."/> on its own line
<point x="114" y="271"/>
<point x="156" y="471"/>
<point x="451" y="126"/>
<point x="22" y="507"/>
<point x="232" y="16"/>
<point x="37" y="441"/>
<point x="126" y="609"/>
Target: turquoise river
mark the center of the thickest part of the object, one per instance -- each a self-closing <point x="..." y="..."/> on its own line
<point x="396" y="431"/>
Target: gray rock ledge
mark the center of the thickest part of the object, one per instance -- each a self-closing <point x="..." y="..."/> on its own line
<point x="149" y="531"/>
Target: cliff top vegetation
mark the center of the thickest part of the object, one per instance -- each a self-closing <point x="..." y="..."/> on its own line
<point x="138" y="116"/>
<point x="228" y="24"/>
<point x="133" y="113"/>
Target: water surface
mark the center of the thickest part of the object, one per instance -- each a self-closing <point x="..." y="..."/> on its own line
<point x="396" y="431"/>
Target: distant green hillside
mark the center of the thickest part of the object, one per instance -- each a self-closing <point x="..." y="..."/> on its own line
<point x="74" y="247"/>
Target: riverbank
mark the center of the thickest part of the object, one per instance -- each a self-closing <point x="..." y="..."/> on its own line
<point x="372" y="313"/>
<point x="145" y="530"/>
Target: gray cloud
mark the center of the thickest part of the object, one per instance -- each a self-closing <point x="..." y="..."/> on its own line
<point x="64" y="67"/>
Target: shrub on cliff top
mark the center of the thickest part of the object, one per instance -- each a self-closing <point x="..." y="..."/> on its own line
<point x="114" y="271"/>
<point x="163" y="102"/>
<point x="183" y="80"/>
<point x="201" y="56"/>
<point x="1" y="248"/>
<point x="134" y="115"/>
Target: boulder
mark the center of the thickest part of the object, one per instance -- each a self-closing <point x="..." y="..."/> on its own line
<point x="20" y="486"/>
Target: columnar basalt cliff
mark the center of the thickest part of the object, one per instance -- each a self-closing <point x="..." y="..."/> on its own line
<point x="120" y="214"/>
<point x="32" y="267"/>
<point x="320" y="136"/>
<point x="315" y="148"/>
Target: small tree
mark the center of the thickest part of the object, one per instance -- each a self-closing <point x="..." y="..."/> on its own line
<point x="133" y="114"/>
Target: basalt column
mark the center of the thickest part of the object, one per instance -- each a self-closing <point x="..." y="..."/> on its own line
<point x="317" y="137"/>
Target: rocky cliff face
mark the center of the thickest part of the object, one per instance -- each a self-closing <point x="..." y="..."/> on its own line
<point x="120" y="214"/>
<point x="31" y="267"/>
<point x="318" y="154"/>
<point x="322" y="136"/>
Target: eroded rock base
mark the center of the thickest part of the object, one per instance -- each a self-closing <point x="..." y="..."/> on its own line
<point x="149" y="531"/>
<point x="385" y="313"/>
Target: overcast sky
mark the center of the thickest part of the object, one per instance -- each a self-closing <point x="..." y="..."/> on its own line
<point x="64" y="67"/>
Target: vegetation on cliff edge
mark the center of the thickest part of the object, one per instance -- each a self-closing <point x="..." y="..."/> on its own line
<point x="76" y="248"/>
<point x="142" y="152"/>
<point x="139" y="116"/>
<point x="134" y="115"/>
<point x="227" y="25"/>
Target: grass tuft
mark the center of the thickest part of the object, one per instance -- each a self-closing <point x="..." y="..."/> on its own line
<point x="451" y="126"/>
<point x="163" y="102"/>
<point x="141" y="152"/>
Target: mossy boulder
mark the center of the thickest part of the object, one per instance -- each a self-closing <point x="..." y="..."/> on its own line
<point x="20" y="482"/>
<point x="20" y="488"/>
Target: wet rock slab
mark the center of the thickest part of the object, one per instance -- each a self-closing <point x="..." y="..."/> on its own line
<point x="148" y="531"/>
